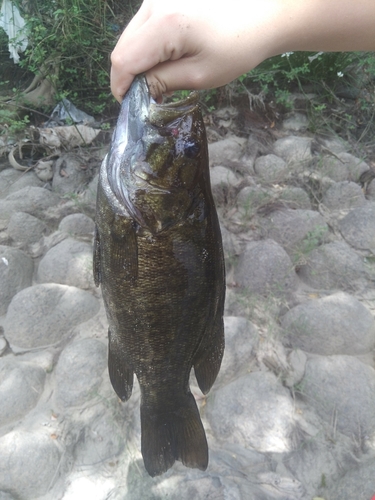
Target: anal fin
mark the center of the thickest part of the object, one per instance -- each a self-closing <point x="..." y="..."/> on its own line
<point x="120" y="374"/>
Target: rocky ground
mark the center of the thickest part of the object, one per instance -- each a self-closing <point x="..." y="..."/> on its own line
<point x="292" y="413"/>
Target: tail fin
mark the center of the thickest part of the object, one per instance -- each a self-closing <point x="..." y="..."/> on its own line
<point x="175" y="435"/>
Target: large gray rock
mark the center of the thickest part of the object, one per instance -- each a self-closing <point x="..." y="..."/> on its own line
<point x="16" y="272"/>
<point x="32" y="200"/>
<point x="70" y="174"/>
<point x="294" y="150"/>
<point x="226" y="151"/>
<point x="29" y="462"/>
<point x="358" y="227"/>
<point x="27" y="179"/>
<point x="241" y="337"/>
<point x="43" y="315"/>
<point x="255" y="411"/>
<point x="100" y="439"/>
<point x="295" y="197"/>
<point x="7" y="178"/>
<point x="341" y="389"/>
<point x="69" y="263"/>
<point x="265" y="267"/>
<point x="343" y="167"/>
<point x="297" y="231"/>
<point x="21" y="385"/>
<point x="344" y="195"/>
<point x="250" y="199"/>
<point x="337" y="324"/>
<point x="332" y="266"/>
<point x="223" y="181"/>
<point x="357" y="483"/>
<point x="271" y="168"/>
<point x="79" y="372"/>
<point x="25" y="229"/>
<point x="77" y="225"/>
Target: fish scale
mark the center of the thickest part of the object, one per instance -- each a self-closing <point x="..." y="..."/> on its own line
<point x="159" y="261"/>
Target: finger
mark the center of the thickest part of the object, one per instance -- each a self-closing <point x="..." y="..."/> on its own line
<point x="141" y="49"/>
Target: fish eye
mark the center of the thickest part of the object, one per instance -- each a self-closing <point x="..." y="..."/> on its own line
<point x="191" y="149"/>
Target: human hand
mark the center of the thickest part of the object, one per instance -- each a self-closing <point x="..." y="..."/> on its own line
<point x="200" y="44"/>
<point x="192" y="44"/>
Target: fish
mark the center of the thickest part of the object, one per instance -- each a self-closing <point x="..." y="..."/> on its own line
<point x="158" y="257"/>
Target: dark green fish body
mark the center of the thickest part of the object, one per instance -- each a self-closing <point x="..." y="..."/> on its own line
<point x="158" y="257"/>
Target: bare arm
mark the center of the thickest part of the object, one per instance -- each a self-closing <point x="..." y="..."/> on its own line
<point x="196" y="44"/>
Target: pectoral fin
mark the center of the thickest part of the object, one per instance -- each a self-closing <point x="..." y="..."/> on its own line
<point x="120" y="374"/>
<point x="207" y="361"/>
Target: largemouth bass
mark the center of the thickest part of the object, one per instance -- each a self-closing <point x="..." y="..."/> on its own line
<point x="158" y="257"/>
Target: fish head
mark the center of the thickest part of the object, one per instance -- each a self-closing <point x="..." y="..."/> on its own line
<point x="157" y="158"/>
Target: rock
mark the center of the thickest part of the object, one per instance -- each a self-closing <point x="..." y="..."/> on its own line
<point x="337" y="324"/>
<point x="7" y="178"/>
<point x="343" y="195"/>
<point x="28" y="179"/>
<point x="70" y="174"/>
<point x="271" y="168"/>
<point x="223" y="180"/>
<point x="241" y="337"/>
<point x="21" y="385"/>
<point x="16" y="272"/>
<point x="251" y="199"/>
<point x="265" y="268"/>
<point x="3" y="345"/>
<point x="343" y="167"/>
<point x="294" y="150"/>
<point x="332" y="266"/>
<point x="79" y="372"/>
<point x="295" y="197"/>
<point x="91" y="191"/>
<point x="358" y="482"/>
<point x="254" y="411"/>
<point x="32" y="200"/>
<point x="231" y="245"/>
<point x="296" y="370"/>
<point x="69" y="263"/>
<point x="25" y="229"/>
<point x="43" y="315"/>
<point x="99" y="440"/>
<point x="226" y="151"/>
<point x="296" y="230"/>
<point x="341" y="389"/>
<point x="29" y="463"/>
<point x="358" y="227"/>
<point x="296" y="122"/>
<point x="77" y="225"/>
